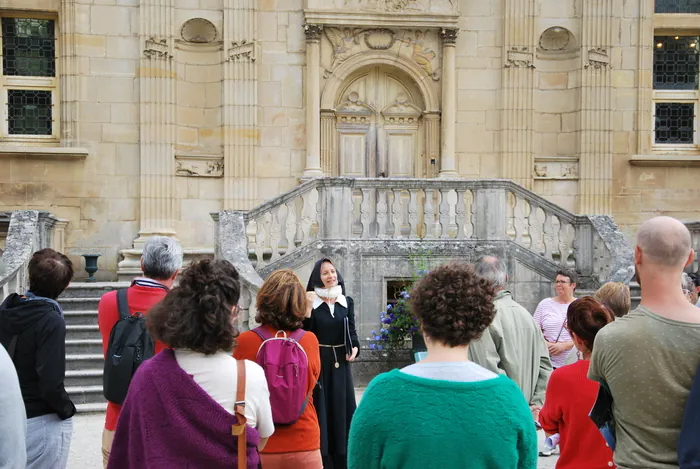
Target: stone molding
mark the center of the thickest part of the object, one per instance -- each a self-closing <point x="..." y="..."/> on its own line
<point x="211" y="166"/>
<point x="44" y="153"/>
<point x="313" y="32"/>
<point x="410" y="19"/>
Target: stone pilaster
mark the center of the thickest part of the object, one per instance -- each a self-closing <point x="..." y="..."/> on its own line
<point x="328" y="139"/>
<point x="70" y="71"/>
<point x="156" y="77"/>
<point x="595" y="160"/>
<point x="240" y="96"/>
<point x="518" y="91"/>
<point x="645" y="126"/>
<point x="432" y="142"/>
<point x="448" y="159"/>
<point x="313" y="101"/>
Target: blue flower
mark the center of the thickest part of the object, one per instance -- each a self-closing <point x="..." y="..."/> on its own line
<point x="373" y="346"/>
<point x="383" y="331"/>
<point x="405" y="294"/>
<point x="388" y="307"/>
<point x="379" y="347"/>
<point x="376" y="337"/>
<point x="373" y="332"/>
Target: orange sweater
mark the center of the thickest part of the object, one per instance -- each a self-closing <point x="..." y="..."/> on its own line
<point x="304" y="435"/>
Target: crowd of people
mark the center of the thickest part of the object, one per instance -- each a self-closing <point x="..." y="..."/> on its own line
<point x="607" y="386"/>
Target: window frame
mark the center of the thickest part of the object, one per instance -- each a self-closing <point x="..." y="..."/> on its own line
<point x="14" y="82"/>
<point x="661" y="96"/>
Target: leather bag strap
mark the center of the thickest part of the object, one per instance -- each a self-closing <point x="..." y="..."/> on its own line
<point x="239" y="428"/>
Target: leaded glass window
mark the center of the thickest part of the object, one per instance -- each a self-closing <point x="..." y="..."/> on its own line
<point x="29" y="112"/>
<point x="28" y="80"/>
<point x="676" y="62"/>
<point x="677" y="6"/>
<point x="28" y="47"/>
<point x="675" y="123"/>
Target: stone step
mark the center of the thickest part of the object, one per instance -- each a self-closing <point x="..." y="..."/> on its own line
<point x="78" y="318"/>
<point x="82" y="378"/>
<point x="79" y="304"/>
<point x="99" y="407"/>
<point x="84" y="361"/>
<point x="86" y="395"/>
<point x="91" y="290"/>
<point x="83" y="331"/>
<point x="81" y="346"/>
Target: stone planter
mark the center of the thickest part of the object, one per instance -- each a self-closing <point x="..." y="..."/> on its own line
<point x="370" y="363"/>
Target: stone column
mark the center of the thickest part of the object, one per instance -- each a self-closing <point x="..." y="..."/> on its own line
<point x="448" y="158"/>
<point x="59" y="235"/>
<point x="518" y="91"/>
<point x="595" y="160"/>
<point x="240" y="113"/>
<point x="313" y="101"/>
<point x="156" y="77"/>
<point x="70" y="71"/>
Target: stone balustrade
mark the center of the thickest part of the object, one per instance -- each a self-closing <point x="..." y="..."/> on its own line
<point x="27" y="232"/>
<point x="373" y="222"/>
<point x="434" y="209"/>
<point x="694" y="228"/>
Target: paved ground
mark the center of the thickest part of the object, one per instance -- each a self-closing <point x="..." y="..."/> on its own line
<point x="87" y="440"/>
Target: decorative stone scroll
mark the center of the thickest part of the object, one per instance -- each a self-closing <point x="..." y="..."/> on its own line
<point x="519" y="58"/>
<point x="157" y="48"/>
<point x="598" y="58"/>
<point x="198" y="31"/>
<point x="243" y="50"/>
<point x="380" y="39"/>
<point x="401" y="112"/>
<point x="211" y="166"/>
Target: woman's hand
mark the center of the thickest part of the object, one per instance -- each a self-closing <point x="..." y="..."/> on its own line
<point x="557" y="348"/>
<point x="310" y="298"/>
<point x="351" y="358"/>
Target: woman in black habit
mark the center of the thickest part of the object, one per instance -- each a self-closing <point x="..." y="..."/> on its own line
<point x="332" y="319"/>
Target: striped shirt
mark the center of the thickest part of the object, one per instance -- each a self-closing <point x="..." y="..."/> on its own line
<point x="550" y="316"/>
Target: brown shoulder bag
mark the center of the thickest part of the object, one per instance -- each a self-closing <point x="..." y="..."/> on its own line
<point x="239" y="428"/>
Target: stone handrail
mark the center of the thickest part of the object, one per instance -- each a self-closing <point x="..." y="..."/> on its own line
<point x="23" y="238"/>
<point x="342" y="208"/>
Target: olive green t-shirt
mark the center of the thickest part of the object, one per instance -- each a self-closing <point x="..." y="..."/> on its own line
<point x="649" y="362"/>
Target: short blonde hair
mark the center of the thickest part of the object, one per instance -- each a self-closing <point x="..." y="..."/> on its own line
<point x="616" y="297"/>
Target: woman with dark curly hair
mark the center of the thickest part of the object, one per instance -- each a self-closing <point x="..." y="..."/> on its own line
<point x="181" y="407"/>
<point x="282" y="306"/>
<point x="571" y="395"/>
<point x="445" y="411"/>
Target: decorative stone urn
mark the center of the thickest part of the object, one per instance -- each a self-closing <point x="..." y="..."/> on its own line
<point x="91" y="266"/>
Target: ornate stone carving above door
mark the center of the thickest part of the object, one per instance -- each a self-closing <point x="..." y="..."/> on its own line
<point x="420" y="46"/>
<point x="402" y="5"/>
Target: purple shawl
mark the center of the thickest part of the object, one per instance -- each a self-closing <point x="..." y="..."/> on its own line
<point x="169" y="422"/>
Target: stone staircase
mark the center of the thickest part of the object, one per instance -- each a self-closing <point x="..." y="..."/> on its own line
<point x="84" y="359"/>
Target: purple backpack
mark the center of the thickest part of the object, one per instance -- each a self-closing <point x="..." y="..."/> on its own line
<point x="287" y="371"/>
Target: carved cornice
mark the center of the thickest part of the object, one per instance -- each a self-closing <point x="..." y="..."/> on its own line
<point x="313" y="32"/>
<point x="241" y="51"/>
<point x="449" y="36"/>
<point x="157" y="49"/>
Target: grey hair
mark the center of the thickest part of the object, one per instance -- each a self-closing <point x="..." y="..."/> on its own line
<point x="492" y="269"/>
<point x="161" y="258"/>
<point x="687" y="283"/>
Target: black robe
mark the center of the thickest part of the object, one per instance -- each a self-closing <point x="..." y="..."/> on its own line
<point x="334" y="396"/>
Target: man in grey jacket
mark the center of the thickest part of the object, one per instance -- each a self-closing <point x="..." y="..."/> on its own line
<point x="513" y="344"/>
<point x="13" y="420"/>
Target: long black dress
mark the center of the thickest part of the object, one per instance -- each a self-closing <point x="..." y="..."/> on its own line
<point x="334" y="396"/>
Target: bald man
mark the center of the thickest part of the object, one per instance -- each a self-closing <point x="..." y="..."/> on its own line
<point x="649" y="358"/>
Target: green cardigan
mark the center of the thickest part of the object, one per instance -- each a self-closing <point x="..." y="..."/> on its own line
<point x="407" y="422"/>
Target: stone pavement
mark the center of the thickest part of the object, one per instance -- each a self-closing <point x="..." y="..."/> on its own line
<point x="85" y="450"/>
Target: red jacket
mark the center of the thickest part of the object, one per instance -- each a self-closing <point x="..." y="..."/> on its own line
<point x="569" y="399"/>
<point x="140" y="298"/>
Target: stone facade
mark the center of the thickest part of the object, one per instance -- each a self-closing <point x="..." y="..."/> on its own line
<point x="165" y="111"/>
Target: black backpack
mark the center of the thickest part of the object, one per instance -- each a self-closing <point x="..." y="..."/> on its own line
<point x="130" y="345"/>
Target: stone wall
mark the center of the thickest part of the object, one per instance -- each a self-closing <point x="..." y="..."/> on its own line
<point x="155" y="135"/>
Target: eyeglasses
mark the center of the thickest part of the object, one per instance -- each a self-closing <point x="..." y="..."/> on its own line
<point x="686" y="292"/>
<point x="561" y="282"/>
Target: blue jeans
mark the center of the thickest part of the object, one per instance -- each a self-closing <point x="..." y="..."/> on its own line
<point x="48" y="442"/>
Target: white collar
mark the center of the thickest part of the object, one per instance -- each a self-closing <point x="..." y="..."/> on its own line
<point x="341" y="299"/>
